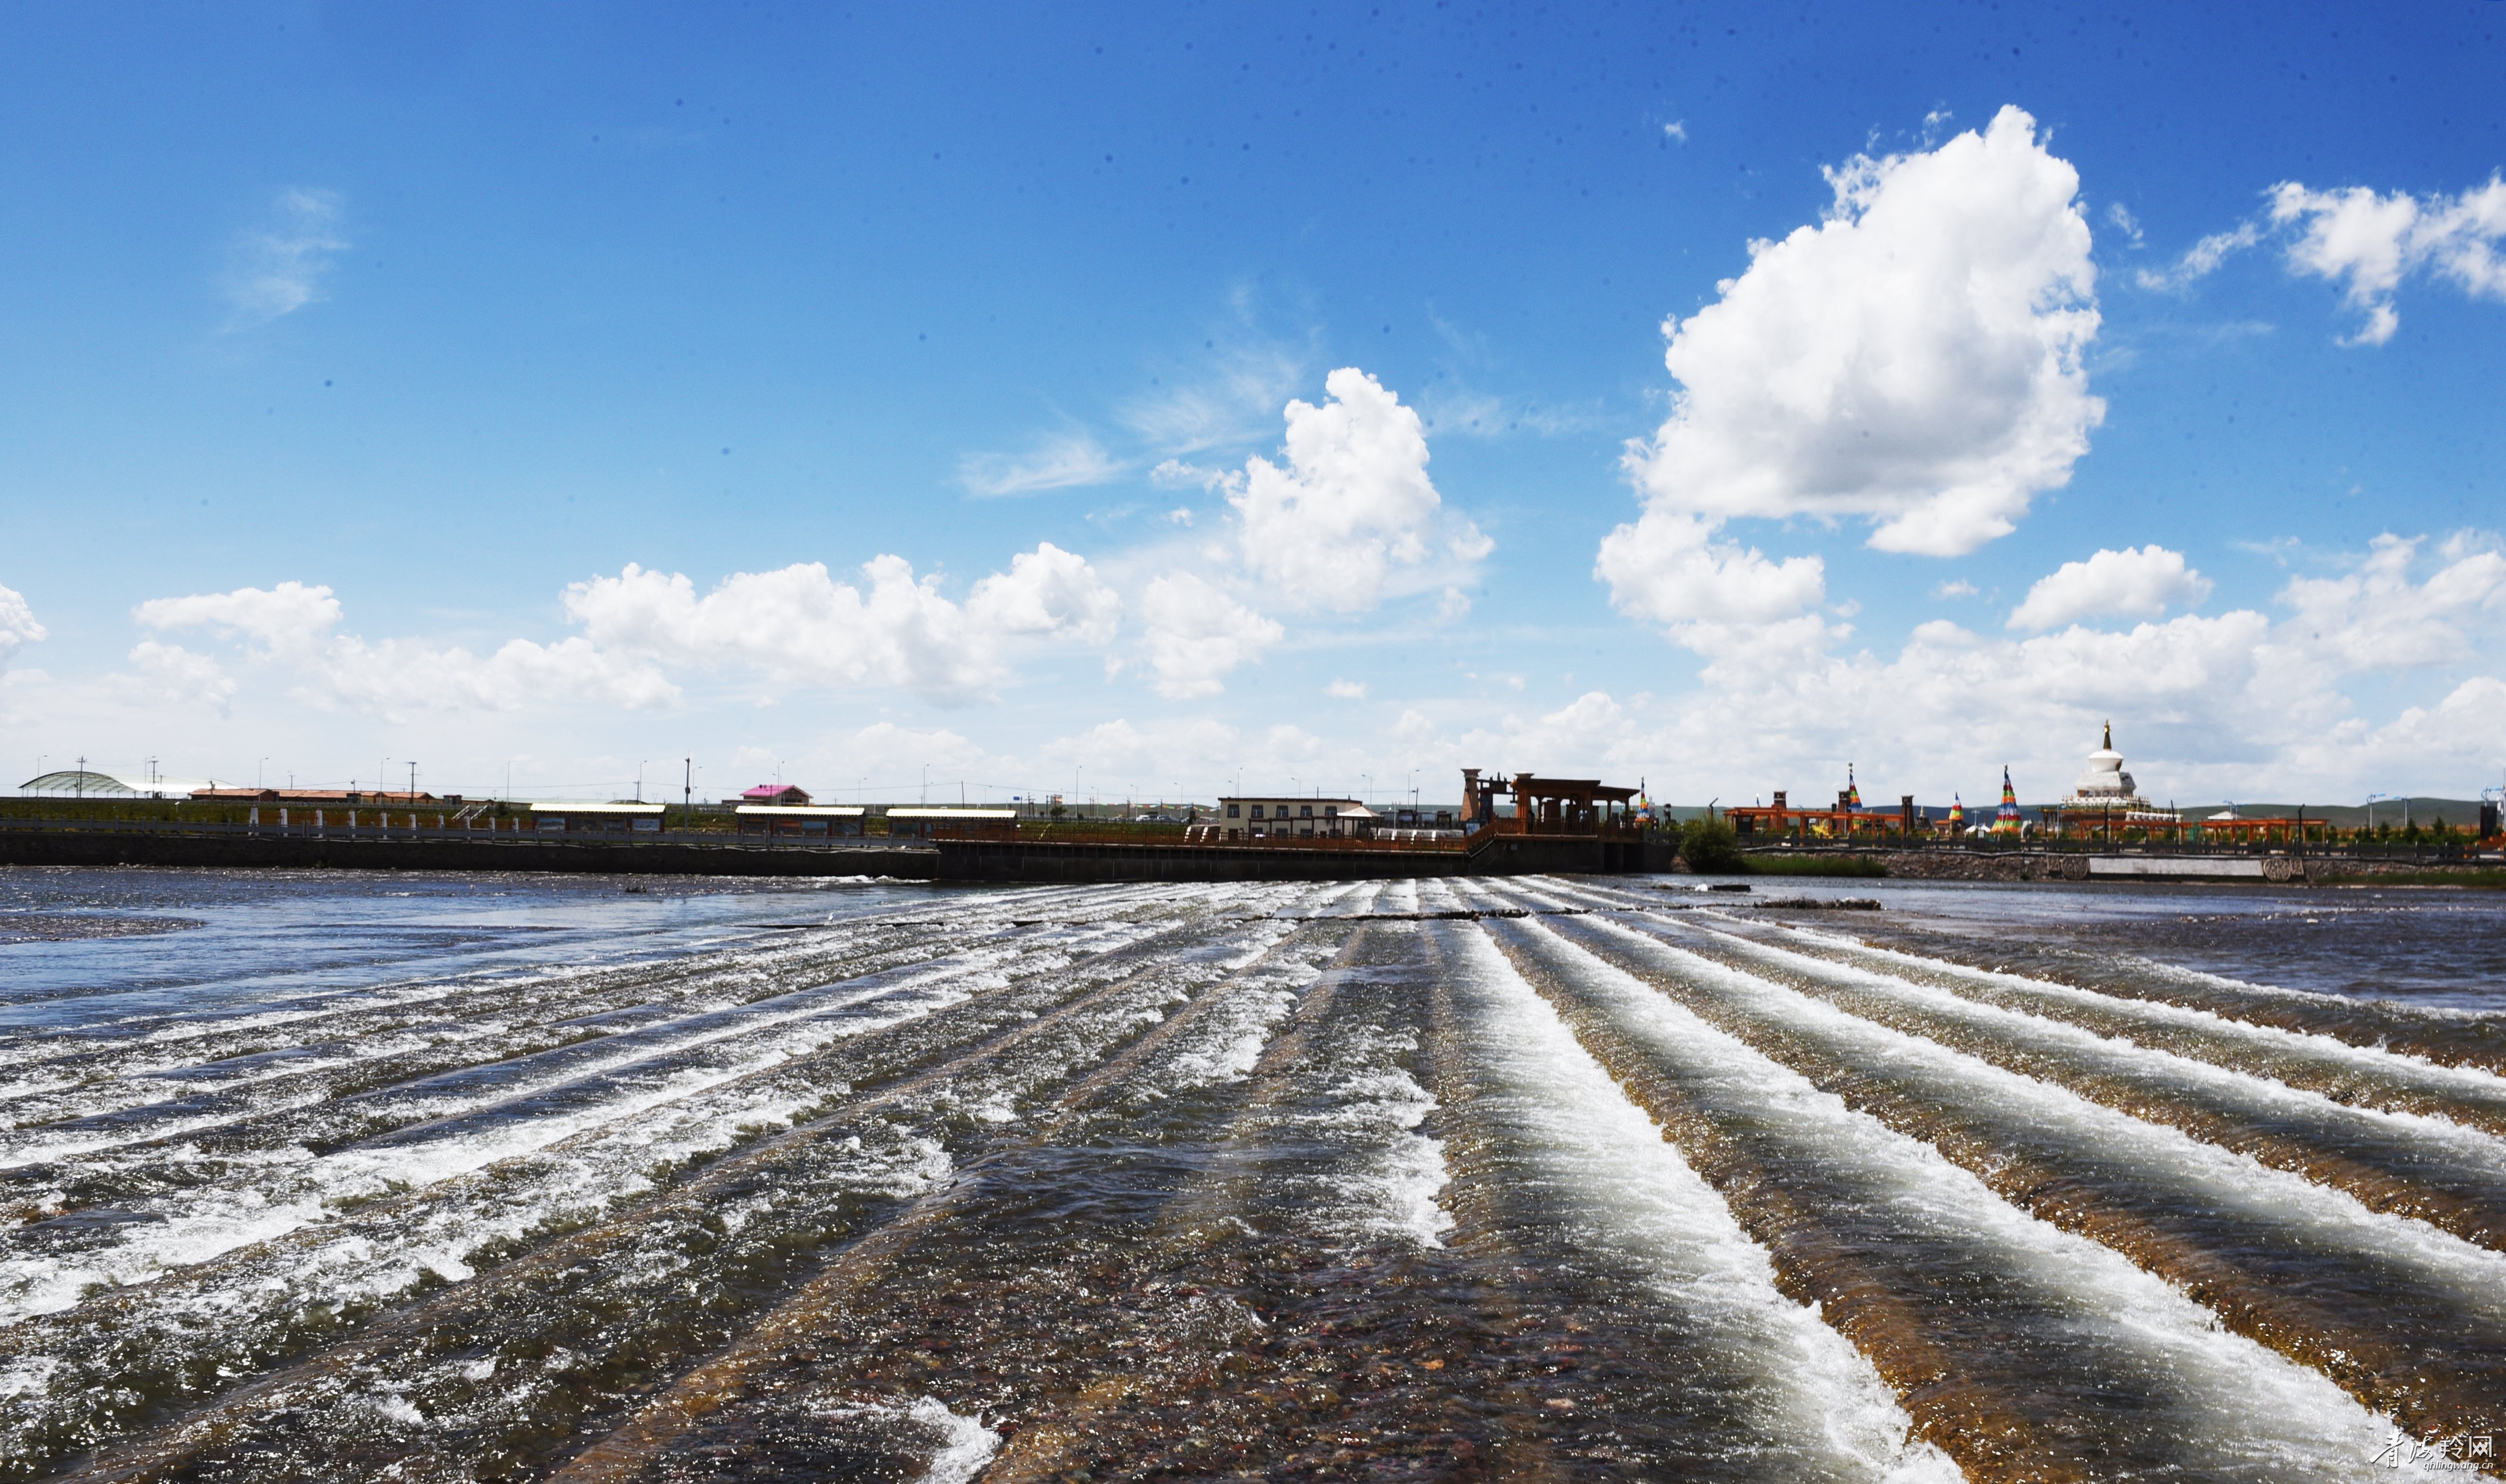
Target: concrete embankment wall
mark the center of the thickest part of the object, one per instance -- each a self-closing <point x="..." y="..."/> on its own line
<point x="956" y="861"/>
<point x="2071" y="866"/>
<point x="1007" y="861"/>
<point x="2050" y="866"/>
<point x="140" y="847"/>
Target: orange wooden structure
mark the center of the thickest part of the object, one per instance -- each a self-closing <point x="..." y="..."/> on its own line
<point x="1843" y="822"/>
<point x="1560" y="806"/>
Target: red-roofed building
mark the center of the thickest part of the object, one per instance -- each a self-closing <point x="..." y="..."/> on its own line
<point x="780" y="793"/>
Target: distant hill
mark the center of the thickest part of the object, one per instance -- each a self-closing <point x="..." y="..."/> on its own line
<point x="2423" y="810"/>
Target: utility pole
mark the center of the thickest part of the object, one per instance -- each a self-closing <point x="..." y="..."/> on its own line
<point x="412" y="784"/>
<point x="687" y="786"/>
<point x="80" y="783"/>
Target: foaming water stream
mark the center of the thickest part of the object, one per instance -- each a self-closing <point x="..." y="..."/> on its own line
<point x="2408" y="1163"/>
<point x="2068" y="1361"/>
<point x="1654" y="1277"/>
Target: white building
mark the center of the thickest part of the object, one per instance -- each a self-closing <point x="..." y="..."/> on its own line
<point x="1269" y="818"/>
<point x="2105" y="796"/>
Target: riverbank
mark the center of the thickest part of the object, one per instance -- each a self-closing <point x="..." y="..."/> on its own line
<point x="2064" y="866"/>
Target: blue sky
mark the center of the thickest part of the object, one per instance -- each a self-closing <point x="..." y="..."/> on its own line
<point x="491" y="324"/>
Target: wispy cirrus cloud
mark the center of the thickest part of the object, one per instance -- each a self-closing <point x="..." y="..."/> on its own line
<point x="1233" y="402"/>
<point x="1060" y="462"/>
<point x="279" y="267"/>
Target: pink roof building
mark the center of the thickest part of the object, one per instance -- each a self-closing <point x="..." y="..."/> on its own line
<point x="774" y="793"/>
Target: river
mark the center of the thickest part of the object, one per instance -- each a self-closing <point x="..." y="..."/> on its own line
<point x="463" y="1178"/>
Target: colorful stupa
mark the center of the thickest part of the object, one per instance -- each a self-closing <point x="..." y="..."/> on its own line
<point x="2005" y="820"/>
<point x="1957" y="814"/>
<point x="1853" y="789"/>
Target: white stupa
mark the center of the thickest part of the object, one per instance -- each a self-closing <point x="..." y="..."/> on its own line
<point x="2107" y="792"/>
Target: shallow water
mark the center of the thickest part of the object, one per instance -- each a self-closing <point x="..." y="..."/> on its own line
<point x="477" y="1178"/>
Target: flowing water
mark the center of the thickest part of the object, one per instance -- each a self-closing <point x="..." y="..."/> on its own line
<point x="413" y="1177"/>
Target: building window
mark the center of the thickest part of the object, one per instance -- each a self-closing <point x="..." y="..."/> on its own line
<point x="1331" y="811"/>
<point x="1307" y="810"/>
<point x="1235" y="811"/>
<point x="1257" y="811"/>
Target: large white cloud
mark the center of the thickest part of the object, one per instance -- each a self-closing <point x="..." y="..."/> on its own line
<point x="1196" y="635"/>
<point x="2209" y="706"/>
<point x="1915" y="358"/>
<point x="1669" y="568"/>
<point x="2374" y="618"/>
<point x="2140" y="583"/>
<point x="798" y="622"/>
<point x="1353" y="516"/>
<point x="399" y="676"/>
<point x="288" y="617"/>
<point x="292" y="625"/>
<point x="2367" y="242"/>
<point x="18" y="626"/>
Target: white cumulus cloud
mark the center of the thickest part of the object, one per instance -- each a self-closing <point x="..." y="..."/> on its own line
<point x="286" y="618"/>
<point x="1197" y="634"/>
<point x="18" y="626"/>
<point x="1669" y="568"/>
<point x="2240" y="704"/>
<point x="1915" y="358"/>
<point x="2374" y="618"/>
<point x="2140" y="583"/>
<point x="800" y="623"/>
<point x="2367" y="242"/>
<point x="398" y="676"/>
<point x="170" y="672"/>
<point x="1353" y="516"/>
<point x="292" y="625"/>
